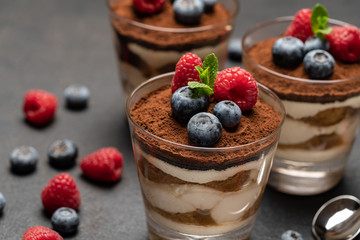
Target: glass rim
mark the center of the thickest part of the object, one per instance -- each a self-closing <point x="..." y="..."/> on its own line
<point x="198" y="148"/>
<point x="234" y="11"/>
<point x="304" y="80"/>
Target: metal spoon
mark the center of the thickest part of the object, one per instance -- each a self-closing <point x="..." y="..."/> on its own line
<point x="338" y="218"/>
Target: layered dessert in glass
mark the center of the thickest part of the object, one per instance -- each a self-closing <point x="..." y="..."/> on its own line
<point x="191" y="191"/>
<point x="147" y="45"/>
<point x="322" y="115"/>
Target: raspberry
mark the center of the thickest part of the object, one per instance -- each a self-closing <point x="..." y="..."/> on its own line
<point x="41" y="233"/>
<point x="300" y="26"/>
<point x="148" y="6"/>
<point x="103" y="165"/>
<point x="61" y="191"/>
<point x="345" y="43"/>
<point x="185" y="71"/>
<point x="39" y="106"/>
<point x="237" y="85"/>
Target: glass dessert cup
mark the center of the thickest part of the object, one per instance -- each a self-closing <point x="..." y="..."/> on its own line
<point x="322" y="118"/>
<point x="194" y="192"/>
<point x="144" y="51"/>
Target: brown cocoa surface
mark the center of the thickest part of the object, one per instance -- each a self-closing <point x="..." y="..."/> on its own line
<point x="260" y="53"/>
<point x="165" y="18"/>
<point x="153" y="114"/>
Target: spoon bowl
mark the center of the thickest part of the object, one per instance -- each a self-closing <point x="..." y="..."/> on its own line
<point x="337" y="219"/>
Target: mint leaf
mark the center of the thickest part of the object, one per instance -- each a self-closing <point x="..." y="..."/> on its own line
<point x="201" y="87"/>
<point x="211" y="62"/>
<point x="319" y="21"/>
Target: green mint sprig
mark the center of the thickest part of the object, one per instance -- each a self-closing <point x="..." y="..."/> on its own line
<point x="207" y="74"/>
<point x="319" y="21"/>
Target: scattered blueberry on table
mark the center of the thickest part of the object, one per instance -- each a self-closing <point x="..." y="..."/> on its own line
<point x="291" y="235"/>
<point x="235" y="50"/>
<point x="65" y="220"/>
<point x="23" y="159"/>
<point x="2" y="202"/>
<point x="76" y="96"/>
<point x="62" y="153"/>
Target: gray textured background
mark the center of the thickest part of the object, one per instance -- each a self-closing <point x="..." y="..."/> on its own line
<point x="51" y="44"/>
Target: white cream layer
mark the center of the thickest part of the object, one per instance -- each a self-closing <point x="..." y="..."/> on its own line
<point x="159" y="58"/>
<point x="182" y="198"/>
<point x="201" y="230"/>
<point x="131" y="77"/>
<point x="299" y="110"/>
<point x="302" y="155"/>
<point x="297" y="131"/>
<point x="197" y="176"/>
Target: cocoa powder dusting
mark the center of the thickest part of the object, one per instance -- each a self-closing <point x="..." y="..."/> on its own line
<point x="153" y="114"/>
<point x="300" y="91"/>
<point x="165" y="18"/>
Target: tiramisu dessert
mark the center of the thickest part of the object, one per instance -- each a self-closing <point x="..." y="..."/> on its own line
<point x="151" y="36"/>
<point x="315" y="70"/>
<point x="204" y="146"/>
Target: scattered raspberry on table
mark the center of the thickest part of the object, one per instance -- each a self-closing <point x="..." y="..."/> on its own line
<point x="39" y="106"/>
<point x="61" y="191"/>
<point x="41" y="233"/>
<point x="103" y="165"/>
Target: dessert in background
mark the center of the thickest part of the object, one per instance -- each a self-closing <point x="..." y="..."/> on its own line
<point x="315" y="70"/>
<point x="151" y="36"/>
<point x="203" y="144"/>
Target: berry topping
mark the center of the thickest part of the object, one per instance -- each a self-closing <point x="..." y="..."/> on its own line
<point x="185" y="103"/>
<point x="204" y="129"/>
<point x="345" y="43"/>
<point x="39" y="106"/>
<point x="148" y="6"/>
<point x="209" y="5"/>
<point x="185" y="71"/>
<point x="288" y="52"/>
<point x="62" y="153"/>
<point x="2" y="202"/>
<point x="228" y="113"/>
<point x="237" y="85"/>
<point x="41" y="233"/>
<point x="300" y="26"/>
<point x="235" y="50"/>
<point x="105" y="164"/>
<point x="291" y="235"/>
<point x="65" y="220"/>
<point x="61" y="191"/>
<point x="76" y="96"/>
<point x="314" y="42"/>
<point x="23" y="159"/>
<point x="319" y="64"/>
<point x="188" y="12"/>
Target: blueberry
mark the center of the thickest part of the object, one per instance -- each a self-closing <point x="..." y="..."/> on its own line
<point x="2" y="202"/>
<point x="288" y="52"/>
<point x="209" y="5"/>
<point x="188" y="12"/>
<point x="23" y="159"/>
<point x="235" y="49"/>
<point x="185" y="103"/>
<point x="291" y="235"/>
<point x="65" y="220"/>
<point x="228" y="113"/>
<point x="76" y="96"/>
<point x="314" y="42"/>
<point x="319" y="64"/>
<point x="204" y="129"/>
<point x="62" y="153"/>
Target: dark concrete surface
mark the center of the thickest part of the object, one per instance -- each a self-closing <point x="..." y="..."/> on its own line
<point x="50" y="44"/>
